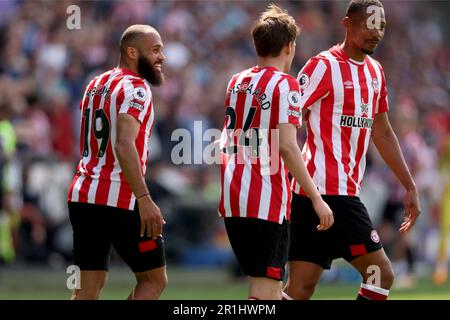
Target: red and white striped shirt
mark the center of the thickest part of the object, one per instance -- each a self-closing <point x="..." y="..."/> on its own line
<point x="255" y="181"/>
<point x="342" y="97"/>
<point x="99" y="178"/>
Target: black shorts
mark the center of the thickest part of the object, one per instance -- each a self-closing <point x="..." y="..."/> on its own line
<point x="97" y="227"/>
<point x="351" y="235"/>
<point x="261" y="247"/>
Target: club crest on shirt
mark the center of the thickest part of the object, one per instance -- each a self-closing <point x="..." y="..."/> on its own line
<point x="293" y="98"/>
<point x="139" y="94"/>
<point x="303" y="81"/>
<point x="375" y="84"/>
<point x="364" y="107"/>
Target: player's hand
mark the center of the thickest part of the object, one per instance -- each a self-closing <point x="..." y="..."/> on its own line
<point x="324" y="213"/>
<point x="411" y="210"/>
<point x="151" y="218"/>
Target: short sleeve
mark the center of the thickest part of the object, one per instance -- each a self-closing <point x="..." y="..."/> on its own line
<point x="289" y="103"/>
<point x="314" y="82"/>
<point x="137" y="98"/>
<point x="383" y="105"/>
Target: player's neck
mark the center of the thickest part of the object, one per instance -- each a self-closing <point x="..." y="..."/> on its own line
<point x="125" y="65"/>
<point x="271" y="62"/>
<point x="353" y="52"/>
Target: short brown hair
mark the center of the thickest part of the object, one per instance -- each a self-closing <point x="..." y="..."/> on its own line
<point x="274" y="29"/>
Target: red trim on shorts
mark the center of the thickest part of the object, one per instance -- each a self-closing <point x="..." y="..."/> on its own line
<point x="358" y="249"/>
<point x="148" y="245"/>
<point x="273" y="272"/>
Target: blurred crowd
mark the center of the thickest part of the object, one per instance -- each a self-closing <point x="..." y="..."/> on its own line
<point x="44" y="68"/>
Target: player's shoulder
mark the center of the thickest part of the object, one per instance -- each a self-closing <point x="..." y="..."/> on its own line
<point x="97" y="80"/>
<point x="135" y="88"/>
<point x="322" y="56"/>
<point x="286" y="78"/>
<point x="243" y="73"/>
<point x="135" y="81"/>
<point x="374" y="62"/>
<point x="320" y="60"/>
<point x="122" y="75"/>
<point x="235" y="76"/>
<point x="284" y="82"/>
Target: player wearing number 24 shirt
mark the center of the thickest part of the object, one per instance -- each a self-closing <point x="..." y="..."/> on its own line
<point x="109" y="203"/>
<point x="259" y="146"/>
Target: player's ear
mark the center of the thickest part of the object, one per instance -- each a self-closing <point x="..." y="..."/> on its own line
<point x="346" y="22"/>
<point x="290" y="47"/>
<point x="132" y="53"/>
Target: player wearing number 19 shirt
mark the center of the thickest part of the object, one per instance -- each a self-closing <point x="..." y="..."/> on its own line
<point x="345" y="102"/>
<point x="109" y="203"/>
<point x="262" y="107"/>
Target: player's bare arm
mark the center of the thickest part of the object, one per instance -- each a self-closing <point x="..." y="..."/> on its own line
<point x="387" y="144"/>
<point x="127" y="132"/>
<point x="293" y="159"/>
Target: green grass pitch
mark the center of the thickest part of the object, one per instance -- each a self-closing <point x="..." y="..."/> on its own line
<point x="184" y="284"/>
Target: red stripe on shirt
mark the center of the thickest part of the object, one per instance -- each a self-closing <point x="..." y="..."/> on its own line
<point x="256" y="179"/>
<point x="84" y="190"/>
<point x="101" y="195"/>
<point x="275" y="179"/>
<point x="346" y="132"/>
<point x="235" y="185"/>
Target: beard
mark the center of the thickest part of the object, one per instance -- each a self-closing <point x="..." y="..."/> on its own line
<point x="146" y="70"/>
<point x="366" y="51"/>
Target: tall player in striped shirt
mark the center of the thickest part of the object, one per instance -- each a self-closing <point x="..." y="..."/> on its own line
<point x="109" y="203"/>
<point x="256" y="198"/>
<point x="345" y="103"/>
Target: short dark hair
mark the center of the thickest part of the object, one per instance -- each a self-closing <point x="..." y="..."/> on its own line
<point x="274" y="29"/>
<point x="356" y="7"/>
<point x="130" y="37"/>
